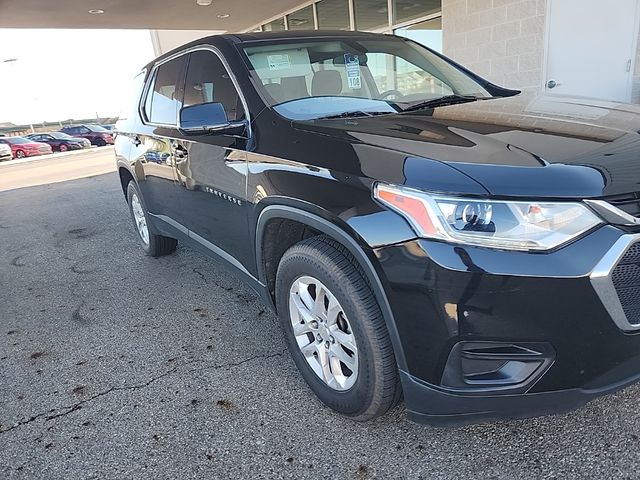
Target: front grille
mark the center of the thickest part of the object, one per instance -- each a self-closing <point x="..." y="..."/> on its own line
<point x="626" y="280"/>
<point x="628" y="202"/>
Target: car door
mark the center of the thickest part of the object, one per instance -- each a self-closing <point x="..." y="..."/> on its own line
<point x="150" y="153"/>
<point x="211" y="168"/>
<point x="48" y="139"/>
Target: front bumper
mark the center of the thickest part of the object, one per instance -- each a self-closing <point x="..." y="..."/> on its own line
<point x="33" y="153"/>
<point x="492" y="334"/>
<point x="75" y="146"/>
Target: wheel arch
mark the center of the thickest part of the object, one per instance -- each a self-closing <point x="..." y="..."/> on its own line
<point x="125" y="176"/>
<point x="326" y="227"/>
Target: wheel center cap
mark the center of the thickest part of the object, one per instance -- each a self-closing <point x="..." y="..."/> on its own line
<point x="324" y="332"/>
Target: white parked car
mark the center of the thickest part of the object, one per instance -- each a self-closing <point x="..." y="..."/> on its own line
<point x="5" y="152"/>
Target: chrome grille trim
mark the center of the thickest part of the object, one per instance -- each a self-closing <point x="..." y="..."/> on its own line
<point x="603" y="284"/>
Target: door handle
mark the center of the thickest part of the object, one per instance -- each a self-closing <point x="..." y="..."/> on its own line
<point x="178" y="150"/>
<point x="137" y="141"/>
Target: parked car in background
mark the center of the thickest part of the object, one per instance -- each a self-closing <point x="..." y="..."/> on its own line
<point x="5" y="152"/>
<point x="416" y="228"/>
<point x="60" y="142"/>
<point x="24" y="147"/>
<point x="96" y="134"/>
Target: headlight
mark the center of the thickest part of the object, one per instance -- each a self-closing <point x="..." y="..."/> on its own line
<point x="511" y="225"/>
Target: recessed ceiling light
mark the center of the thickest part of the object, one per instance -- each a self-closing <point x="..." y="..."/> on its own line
<point x="204" y="3"/>
<point x="224" y="15"/>
<point x="96" y="12"/>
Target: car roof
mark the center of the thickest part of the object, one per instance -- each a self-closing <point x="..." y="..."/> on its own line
<point x="296" y="35"/>
<point x="238" y="38"/>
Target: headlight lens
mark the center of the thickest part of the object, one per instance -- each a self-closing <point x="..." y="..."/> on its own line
<point x="511" y="225"/>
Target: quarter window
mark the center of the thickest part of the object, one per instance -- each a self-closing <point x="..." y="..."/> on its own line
<point x="208" y="81"/>
<point x="164" y="97"/>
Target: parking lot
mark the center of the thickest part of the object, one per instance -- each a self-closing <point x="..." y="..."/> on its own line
<point x="117" y="365"/>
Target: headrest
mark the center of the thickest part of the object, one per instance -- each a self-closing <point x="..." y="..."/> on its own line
<point x="326" y="82"/>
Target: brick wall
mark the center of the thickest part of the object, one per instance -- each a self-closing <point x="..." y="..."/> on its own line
<point x="502" y="40"/>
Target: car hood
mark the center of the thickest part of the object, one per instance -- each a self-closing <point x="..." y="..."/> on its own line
<point x="524" y="146"/>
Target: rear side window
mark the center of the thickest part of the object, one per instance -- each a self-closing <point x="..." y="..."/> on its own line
<point x="208" y="81"/>
<point x="164" y="96"/>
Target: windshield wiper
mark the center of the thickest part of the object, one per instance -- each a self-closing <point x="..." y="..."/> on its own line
<point x="442" y="101"/>
<point x="355" y="113"/>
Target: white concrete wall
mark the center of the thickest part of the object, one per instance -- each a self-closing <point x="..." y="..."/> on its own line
<point x="502" y="40"/>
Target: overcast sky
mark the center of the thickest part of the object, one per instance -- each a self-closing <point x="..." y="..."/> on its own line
<point x="64" y="74"/>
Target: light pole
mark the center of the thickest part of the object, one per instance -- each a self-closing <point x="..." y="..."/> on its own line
<point x="12" y="62"/>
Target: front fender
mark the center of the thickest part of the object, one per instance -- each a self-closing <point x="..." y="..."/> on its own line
<point x="345" y="235"/>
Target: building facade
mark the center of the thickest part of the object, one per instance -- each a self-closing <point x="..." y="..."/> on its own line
<point x="562" y="48"/>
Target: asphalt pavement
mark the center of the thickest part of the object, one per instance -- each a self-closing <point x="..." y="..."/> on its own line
<point x="114" y="365"/>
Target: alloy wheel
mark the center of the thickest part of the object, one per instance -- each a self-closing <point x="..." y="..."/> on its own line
<point x="323" y="333"/>
<point x="140" y="218"/>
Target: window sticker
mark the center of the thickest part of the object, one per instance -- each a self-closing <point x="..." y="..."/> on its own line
<point x="279" y="62"/>
<point x="352" y="64"/>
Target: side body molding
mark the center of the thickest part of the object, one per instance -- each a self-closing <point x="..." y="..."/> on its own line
<point x="338" y="234"/>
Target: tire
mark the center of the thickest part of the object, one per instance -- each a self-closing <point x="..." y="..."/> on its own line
<point x="63" y="147"/>
<point x="100" y="142"/>
<point x="20" y="154"/>
<point x="376" y="387"/>
<point x="153" y="244"/>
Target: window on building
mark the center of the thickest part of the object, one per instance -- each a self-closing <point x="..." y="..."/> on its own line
<point x="302" y="19"/>
<point x="333" y="15"/>
<point x="428" y="33"/>
<point x="163" y="100"/>
<point x="274" y="26"/>
<point x="371" y="14"/>
<point x="208" y="81"/>
<point x="407" y="10"/>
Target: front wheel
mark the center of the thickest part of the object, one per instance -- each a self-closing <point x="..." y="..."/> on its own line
<point x="63" y="148"/>
<point x="20" y="154"/>
<point x="100" y="142"/>
<point x="153" y="245"/>
<point x="335" y="329"/>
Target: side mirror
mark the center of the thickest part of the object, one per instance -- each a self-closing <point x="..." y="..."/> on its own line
<point x="209" y="118"/>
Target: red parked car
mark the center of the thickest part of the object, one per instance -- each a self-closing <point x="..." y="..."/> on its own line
<point x="23" y="147"/>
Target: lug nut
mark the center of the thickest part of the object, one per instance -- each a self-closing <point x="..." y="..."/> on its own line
<point x="327" y="344"/>
<point x="314" y="324"/>
<point x="332" y="340"/>
<point x="319" y="338"/>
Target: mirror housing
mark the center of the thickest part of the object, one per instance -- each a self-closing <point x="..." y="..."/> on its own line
<point x="209" y="118"/>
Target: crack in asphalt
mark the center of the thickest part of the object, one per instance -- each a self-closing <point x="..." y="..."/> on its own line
<point x="241" y="362"/>
<point x="215" y="282"/>
<point x="63" y="411"/>
<point x="16" y="261"/>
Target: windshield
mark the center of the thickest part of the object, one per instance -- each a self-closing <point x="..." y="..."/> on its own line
<point x="17" y="140"/>
<point x="382" y="75"/>
<point x="60" y="135"/>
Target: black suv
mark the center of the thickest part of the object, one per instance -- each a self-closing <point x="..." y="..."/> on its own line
<point x="417" y="229"/>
